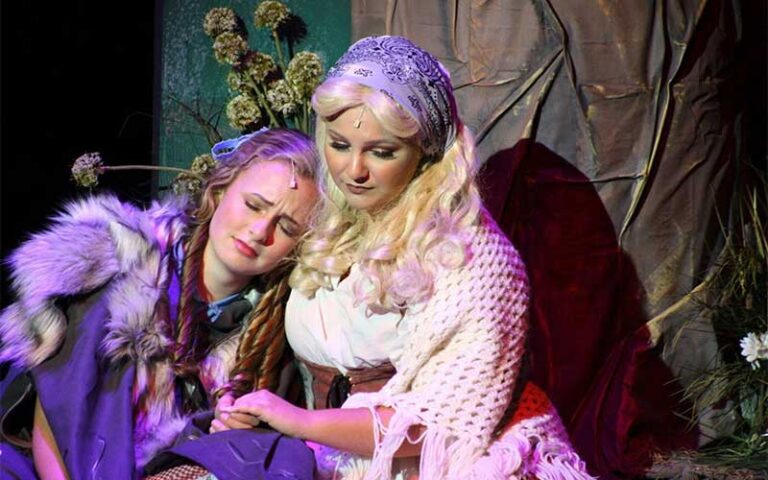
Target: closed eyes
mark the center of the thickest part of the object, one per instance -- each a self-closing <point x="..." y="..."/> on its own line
<point x="289" y="228"/>
<point x="256" y="207"/>
<point x="286" y="224"/>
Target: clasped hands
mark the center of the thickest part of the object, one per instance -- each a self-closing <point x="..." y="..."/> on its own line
<point x="256" y="408"/>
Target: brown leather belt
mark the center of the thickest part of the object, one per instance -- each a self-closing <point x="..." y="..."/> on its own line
<point x="331" y="387"/>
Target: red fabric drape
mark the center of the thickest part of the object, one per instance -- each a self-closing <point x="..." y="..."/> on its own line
<point x="589" y="343"/>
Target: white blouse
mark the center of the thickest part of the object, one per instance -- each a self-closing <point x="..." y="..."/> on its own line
<point x="331" y="330"/>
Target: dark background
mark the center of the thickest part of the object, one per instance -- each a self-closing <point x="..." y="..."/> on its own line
<point x="77" y="77"/>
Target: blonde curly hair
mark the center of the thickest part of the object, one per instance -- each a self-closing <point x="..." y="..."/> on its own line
<point x="425" y="228"/>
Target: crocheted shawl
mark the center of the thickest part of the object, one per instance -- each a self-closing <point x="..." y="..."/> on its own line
<point x="459" y="366"/>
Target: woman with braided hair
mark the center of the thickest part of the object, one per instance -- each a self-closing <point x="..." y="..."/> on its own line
<point x="408" y="308"/>
<point x="128" y="321"/>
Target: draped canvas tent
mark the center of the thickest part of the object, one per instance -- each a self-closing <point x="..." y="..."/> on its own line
<point x="611" y="133"/>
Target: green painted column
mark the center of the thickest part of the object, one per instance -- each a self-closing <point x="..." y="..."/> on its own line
<point x="191" y="78"/>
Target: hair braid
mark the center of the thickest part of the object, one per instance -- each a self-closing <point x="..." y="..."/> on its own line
<point x="188" y="346"/>
<point x="269" y="370"/>
<point x="263" y="343"/>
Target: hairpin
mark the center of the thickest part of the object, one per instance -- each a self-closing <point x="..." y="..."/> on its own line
<point x="293" y="184"/>
<point x="360" y="118"/>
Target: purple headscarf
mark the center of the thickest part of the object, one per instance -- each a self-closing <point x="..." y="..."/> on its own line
<point x="410" y="76"/>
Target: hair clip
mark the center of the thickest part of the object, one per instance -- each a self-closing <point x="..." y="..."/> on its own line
<point x="225" y="148"/>
<point x="293" y="184"/>
<point x="360" y="118"/>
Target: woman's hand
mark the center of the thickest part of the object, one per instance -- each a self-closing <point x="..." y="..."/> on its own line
<point x="264" y="406"/>
<point x="349" y="429"/>
<point x="223" y="420"/>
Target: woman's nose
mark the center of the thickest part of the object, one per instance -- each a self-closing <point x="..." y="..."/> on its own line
<point x="262" y="230"/>
<point x="358" y="171"/>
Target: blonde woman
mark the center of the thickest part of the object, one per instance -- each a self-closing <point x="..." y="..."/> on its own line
<point x="129" y="320"/>
<point x="408" y="309"/>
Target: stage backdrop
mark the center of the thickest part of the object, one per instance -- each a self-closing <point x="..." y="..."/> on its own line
<point x="191" y="78"/>
<point x="612" y="137"/>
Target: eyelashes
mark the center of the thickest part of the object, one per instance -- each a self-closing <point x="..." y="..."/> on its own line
<point x="253" y="206"/>
<point x="383" y="153"/>
<point x="287" y="229"/>
<point x="339" y="146"/>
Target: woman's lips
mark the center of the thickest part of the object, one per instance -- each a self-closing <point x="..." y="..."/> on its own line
<point x="245" y="249"/>
<point x="357" y="189"/>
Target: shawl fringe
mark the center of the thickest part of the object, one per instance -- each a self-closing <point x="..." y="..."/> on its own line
<point x="522" y="454"/>
<point x="533" y="448"/>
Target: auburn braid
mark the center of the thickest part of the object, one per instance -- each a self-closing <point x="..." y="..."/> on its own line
<point x="271" y="365"/>
<point x="188" y="345"/>
<point x="262" y="345"/>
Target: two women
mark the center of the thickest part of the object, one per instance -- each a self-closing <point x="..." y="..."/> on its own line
<point x="130" y="320"/>
<point x="408" y="307"/>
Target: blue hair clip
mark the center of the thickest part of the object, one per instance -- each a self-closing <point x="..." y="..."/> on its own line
<point x="225" y="148"/>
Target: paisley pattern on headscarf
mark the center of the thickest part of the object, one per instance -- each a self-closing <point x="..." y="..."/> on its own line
<point x="412" y="77"/>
